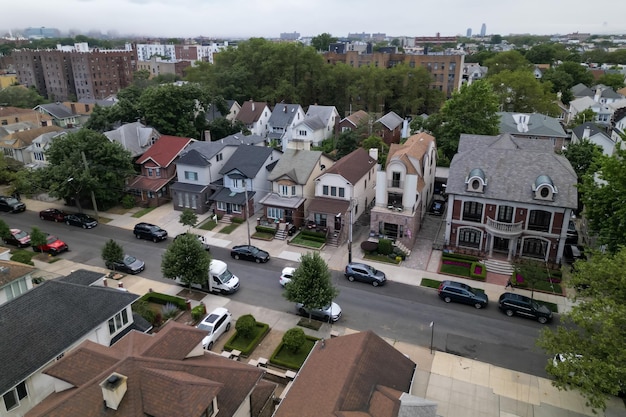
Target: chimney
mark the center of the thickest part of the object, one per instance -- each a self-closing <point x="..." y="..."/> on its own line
<point x="598" y="94"/>
<point x="586" y="132"/>
<point x="253" y="106"/>
<point x="113" y="390"/>
<point x="373" y="152"/>
<point x="285" y="109"/>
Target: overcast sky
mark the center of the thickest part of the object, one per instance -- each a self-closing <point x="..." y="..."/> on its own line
<point x="269" y="18"/>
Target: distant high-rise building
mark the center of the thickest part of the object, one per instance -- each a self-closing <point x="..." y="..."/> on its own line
<point x="294" y="36"/>
<point x="42" y="32"/>
<point x="483" y="30"/>
<point x="469" y="32"/>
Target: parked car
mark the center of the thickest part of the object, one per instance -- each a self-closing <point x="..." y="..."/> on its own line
<point x="572" y="253"/>
<point x="462" y="293"/>
<point x="201" y="239"/>
<point x="149" y="232"/>
<point x="437" y="207"/>
<point x="365" y="273"/>
<point x="521" y="305"/>
<point x="11" y="204"/>
<point x="286" y="275"/>
<point x="53" y="246"/>
<point x="18" y="238"/>
<point x="567" y="359"/>
<point x="216" y="323"/>
<point x="292" y="230"/>
<point x="324" y="314"/>
<point x="249" y="253"/>
<point x="81" y="220"/>
<point x="572" y="233"/>
<point x="128" y="264"/>
<point x="52" y="214"/>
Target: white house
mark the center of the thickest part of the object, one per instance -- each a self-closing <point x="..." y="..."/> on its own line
<point x="319" y="123"/>
<point x="282" y="122"/>
<point x="15" y="279"/>
<point x="255" y="116"/>
<point x="589" y="131"/>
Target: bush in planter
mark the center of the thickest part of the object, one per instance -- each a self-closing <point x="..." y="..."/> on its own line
<point x="169" y="310"/>
<point x="128" y="201"/>
<point x="385" y="246"/>
<point x="478" y="271"/>
<point x="247" y="345"/>
<point x="369" y="247"/>
<point x="245" y="325"/>
<point x="265" y="229"/>
<point x="237" y="220"/>
<point x="294" y="339"/>
<point x="399" y="253"/>
<point x="197" y="312"/>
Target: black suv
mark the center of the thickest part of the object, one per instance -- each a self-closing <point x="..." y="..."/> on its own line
<point x="512" y="304"/>
<point x="462" y="293"/>
<point x="150" y="232"/>
<point x="11" y="204"/>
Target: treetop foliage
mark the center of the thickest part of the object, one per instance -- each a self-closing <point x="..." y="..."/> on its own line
<point x="311" y="283"/>
<point x="185" y="258"/>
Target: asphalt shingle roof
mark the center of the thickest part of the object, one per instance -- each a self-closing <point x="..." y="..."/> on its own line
<point x="57" y="110"/>
<point x="296" y="164"/>
<point x="353" y="166"/>
<point x="593" y="130"/>
<point x="536" y="125"/>
<point x="283" y="115"/>
<point x="391" y="120"/>
<point x="164" y="150"/>
<point x="248" y="160"/>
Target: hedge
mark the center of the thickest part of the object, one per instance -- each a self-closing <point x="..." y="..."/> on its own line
<point x="265" y="229"/>
<point x="451" y="255"/>
<point x="158" y="298"/>
<point x="291" y="365"/>
<point x="237" y="220"/>
<point x="482" y="275"/>
<point x="308" y="233"/>
<point x="261" y="330"/>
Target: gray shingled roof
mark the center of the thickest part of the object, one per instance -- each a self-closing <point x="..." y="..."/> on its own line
<point x="296" y="164"/>
<point x="538" y="125"/>
<point x="248" y="160"/>
<point x="42" y="323"/>
<point x="323" y="112"/>
<point x="134" y="137"/>
<point x="511" y="166"/>
<point x="391" y="120"/>
<point x="200" y="153"/>
<point x="82" y="277"/>
<point x="593" y="130"/>
<point x="283" y="115"/>
<point x="241" y="139"/>
<point x="57" y="110"/>
<point x="581" y="90"/>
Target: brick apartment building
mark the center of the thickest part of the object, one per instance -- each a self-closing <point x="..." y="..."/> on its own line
<point x="79" y="73"/>
<point x="447" y="70"/>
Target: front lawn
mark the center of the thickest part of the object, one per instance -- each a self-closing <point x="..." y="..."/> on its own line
<point x="143" y="212"/>
<point x="302" y="240"/>
<point x="293" y="360"/>
<point x="208" y="225"/>
<point x="247" y="344"/>
<point x="228" y="229"/>
<point x="263" y="235"/>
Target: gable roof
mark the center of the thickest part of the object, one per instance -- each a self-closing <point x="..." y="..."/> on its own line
<point x="414" y="148"/>
<point x="325" y="113"/>
<point x="164" y="150"/>
<point x="82" y="277"/>
<point x="57" y="110"/>
<point x="11" y="271"/>
<point x="581" y="90"/>
<point x="199" y="153"/>
<point x="391" y="120"/>
<point x="168" y="375"/>
<point x="296" y="164"/>
<point x="248" y="160"/>
<point x="344" y="374"/>
<point x="56" y="312"/>
<point x="241" y="139"/>
<point x="353" y="166"/>
<point x="251" y="112"/>
<point x="533" y="124"/>
<point x="283" y="114"/>
<point x="134" y="137"/>
<point x="357" y="118"/>
<point x="593" y="130"/>
<point x="24" y="138"/>
<point x="313" y="122"/>
<point x="511" y="166"/>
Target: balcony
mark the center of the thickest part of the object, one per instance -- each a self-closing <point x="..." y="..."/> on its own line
<point x="504" y="229"/>
<point x="395" y="184"/>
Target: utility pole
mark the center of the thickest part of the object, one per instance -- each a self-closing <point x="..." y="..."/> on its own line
<point x="93" y="196"/>
<point x="245" y="188"/>
<point x="350" y="231"/>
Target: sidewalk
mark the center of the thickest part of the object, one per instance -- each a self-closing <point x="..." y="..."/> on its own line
<point x="460" y="386"/>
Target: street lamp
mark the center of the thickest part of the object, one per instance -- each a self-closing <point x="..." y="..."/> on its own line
<point x="245" y="188"/>
<point x="432" y="335"/>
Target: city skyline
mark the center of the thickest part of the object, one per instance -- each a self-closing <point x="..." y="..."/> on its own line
<point x="247" y="18"/>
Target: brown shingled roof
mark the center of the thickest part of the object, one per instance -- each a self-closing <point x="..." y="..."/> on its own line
<point x="358" y="118"/>
<point x="251" y="111"/>
<point x="168" y="373"/>
<point x="353" y="166"/>
<point x="13" y="271"/>
<point x="25" y="137"/>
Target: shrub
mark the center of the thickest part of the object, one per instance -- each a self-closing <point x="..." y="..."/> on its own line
<point x="142" y="308"/>
<point x="237" y="220"/>
<point x="385" y="246"/>
<point x="23" y="258"/>
<point x="399" y="252"/>
<point x="311" y="234"/>
<point x="158" y="319"/>
<point x="294" y="339"/>
<point x="197" y="312"/>
<point x="451" y="255"/>
<point x="265" y="229"/>
<point x="169" y="310"/>
<point x="245" y="325"/>
<point x="158" y="298"/>
<point x="368" y="246"/>
<point x="128" y="201"/>
<point x="478" y="271"/>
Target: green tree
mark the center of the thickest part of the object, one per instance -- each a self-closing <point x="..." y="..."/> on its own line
<point x="579" y="73"/>
<point x="186" y="259"/>
<point x="294" y="339"/>
<point x="614" y="80"/>
<point x="112" y="252"/>
<point x="583" y="156"/>
<point x="603" y="193"/>
<point x="584" y="116"/>
<point x="188" y="218"/>
<point x="245" y="326"/>
<point x="322" y="41"/>
<point x="378" y="143"/>
<point x="347" y="142"/>
<point x="591" y="335"/>
<point x="311" y="283"/>
<point x="37" y="237"/>
<point x="520" y="91"/>
<point x="544" y="53"/>
<point x="5" y="230"/>
<point x="471" y="110"/>
<point x="496" y="39"/>
<point x="67" y="177"/>
<point x="532" y="272"/>
<point x="561" y="82"/>
<point x="510" y="60"/>
<point x="20" y="96"/>
<point x="100" y="119"/>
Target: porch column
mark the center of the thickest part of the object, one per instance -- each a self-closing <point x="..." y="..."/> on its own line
<point x="512" y="244"/>
<point x="491" y="238"/>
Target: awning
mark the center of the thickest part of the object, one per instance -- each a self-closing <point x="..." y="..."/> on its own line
<point x="329" y="206"/>
<point x="148" y="184"/>
<point x="192" y="188"/>
<point x="275" y="200"/>
<point x="224" y="195"/>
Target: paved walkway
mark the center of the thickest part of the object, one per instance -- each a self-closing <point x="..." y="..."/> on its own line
<point x="460" y="386"/>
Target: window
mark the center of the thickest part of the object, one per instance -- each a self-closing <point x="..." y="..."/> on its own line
<point x="118" y="322"/>
<point x="539" y="220"/>
<point x="150" y="172"/>
<point x="237" y="208"/>
<point x="325" y="190"/>
<point x="219" y="157"/>
<point x="274" y="213"/>
<point x="221" y="206"/>
<point x="16" y="288"/>
<point x="189" y="175"/>
<point x="157" y="172"/>
<point x="395" y="179"/>
<point x="301" y="132"/>
<point x="342" y="191"/>
<point x="472" y="211"/>
<point x="333" y="191"/>
<point x="469" y="237"/>
<point x="505" y="214"/>
<point x="283" y="190"/>
<point x="13" y="397"/>
<point x="320" y="219"/>
<point x="293" y="190"/>
<point x="534" y="248"/>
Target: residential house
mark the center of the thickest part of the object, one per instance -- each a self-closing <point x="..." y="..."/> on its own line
<point x="343" y="193"/>
<point x="84" y="107"/>
<point x="40" y="145"/>
<point x="10" y="115"/>
<point x="511" y="196"/>
<point x="245" y="181"/>
<point x="213" y="113"/>
<point x="320" y="123"/>
<point x="46" y="323"/>
<point x="603" y="100"/>
<point x="354" y="122"/>
<point x="61" y="116"/>
<point x="255" y="117"/>
<point x="282" y="121"/>
<point x="158" y="171"/>
<point x="618" y="125"/>
<point x="293" y="185"/>
<point x="355" y="375"/>
<point x="389" y="127"/>
<point x="534" y="126"/>
<point x="540" y="69"/>
<point x="15" y="279"/>
<point x="16" y="145"/>
<point x="404" y="190"/>
<point x="472" y="72"/>
<point x="134" y="137"/>
<point x="591" y="132"/>
<point x="11" y="128"/>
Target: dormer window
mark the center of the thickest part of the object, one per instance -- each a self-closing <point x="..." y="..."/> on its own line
<point x="475" y="181"/>
<point x="544" y="188"/>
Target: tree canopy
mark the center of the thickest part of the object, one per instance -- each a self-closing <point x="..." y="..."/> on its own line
<point x="583" y="156"/>
<point x="311" y="283"/>
<point x="185" y="258"/>
<point x="322" y="41"/>
<point x="20" y="96"/>
<point x="591" y="336"/>
<point x="520" y="91"/>
<point x="112" y="252"/>
<point x="503" y="61"/>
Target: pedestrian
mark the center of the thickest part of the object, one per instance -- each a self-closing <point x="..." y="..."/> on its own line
<point x="508" y="284"/>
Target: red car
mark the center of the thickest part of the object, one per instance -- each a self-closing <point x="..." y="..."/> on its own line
<point x="53" y="246"/>
<point x="53" y="214"/>
<point x="18" y="238"/>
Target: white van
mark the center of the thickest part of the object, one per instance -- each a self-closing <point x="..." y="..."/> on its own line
<point x="219" y="280"/>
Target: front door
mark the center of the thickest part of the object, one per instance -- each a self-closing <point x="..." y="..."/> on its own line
<point x="500" y="244"/>
<point x="337" y="222"/>
<point x="229" y="208"/>
<point x="289" y="216"/>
